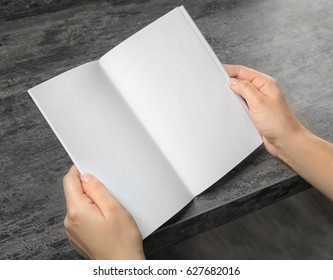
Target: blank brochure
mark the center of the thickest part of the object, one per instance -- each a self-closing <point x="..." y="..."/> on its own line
<point x="154" y="119"/>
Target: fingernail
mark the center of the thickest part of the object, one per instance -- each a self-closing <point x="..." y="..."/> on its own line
<point x="86" y="178"/>
<point x="233" y="81"/>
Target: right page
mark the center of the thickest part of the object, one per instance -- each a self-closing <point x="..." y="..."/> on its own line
<point x="177" y="88"/>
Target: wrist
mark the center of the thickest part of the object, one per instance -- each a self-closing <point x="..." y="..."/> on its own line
<point x="131" y="256"/>
<point x="292" y="142"/>
<point x="127" y="253"/>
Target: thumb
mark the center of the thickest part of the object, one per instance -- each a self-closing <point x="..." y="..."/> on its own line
<point x="246" y="90"/>
<point x="97" y="192"/>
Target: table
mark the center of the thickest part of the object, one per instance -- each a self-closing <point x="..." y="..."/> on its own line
<point x="291" y="40"/>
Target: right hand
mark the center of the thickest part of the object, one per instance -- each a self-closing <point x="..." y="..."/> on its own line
<point x="268" y="108"/>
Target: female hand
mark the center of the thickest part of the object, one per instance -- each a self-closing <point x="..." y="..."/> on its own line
<point x="269" y="110"/>
<point x="97" y="225"/>
<point x="284" y="137"/>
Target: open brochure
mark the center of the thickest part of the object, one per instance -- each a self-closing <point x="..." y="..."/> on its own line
<point x="154" y="118"/>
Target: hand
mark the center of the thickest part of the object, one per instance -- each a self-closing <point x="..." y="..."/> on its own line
<point x="97" y="225"/>
<point x="284" y="137"/>
<point x="269" y="110"/>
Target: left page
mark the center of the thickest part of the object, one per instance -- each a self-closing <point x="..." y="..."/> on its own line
<point x="103" y="137"/>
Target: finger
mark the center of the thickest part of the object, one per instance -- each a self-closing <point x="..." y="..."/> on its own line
<point x="248" y="91"/>
<point x="72" y="186"/>
<point x="97" y="192"/>
<point x="243" y="73"/>
<point x="232" y="70"/>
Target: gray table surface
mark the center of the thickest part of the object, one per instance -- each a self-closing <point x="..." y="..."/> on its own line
<point x="291" y="40"/>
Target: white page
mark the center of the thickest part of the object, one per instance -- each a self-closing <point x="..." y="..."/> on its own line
<point x="178" y="90"/>
<point x="104" y="138"/>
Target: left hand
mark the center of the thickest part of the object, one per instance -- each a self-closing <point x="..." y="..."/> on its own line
<point x="97" y="225"/>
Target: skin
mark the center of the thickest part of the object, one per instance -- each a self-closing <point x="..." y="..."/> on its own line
<point x="283" y="135"/>
<point x="99" y="227"/>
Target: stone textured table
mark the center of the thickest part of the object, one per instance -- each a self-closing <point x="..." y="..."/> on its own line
<point x="291" y="40"/>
